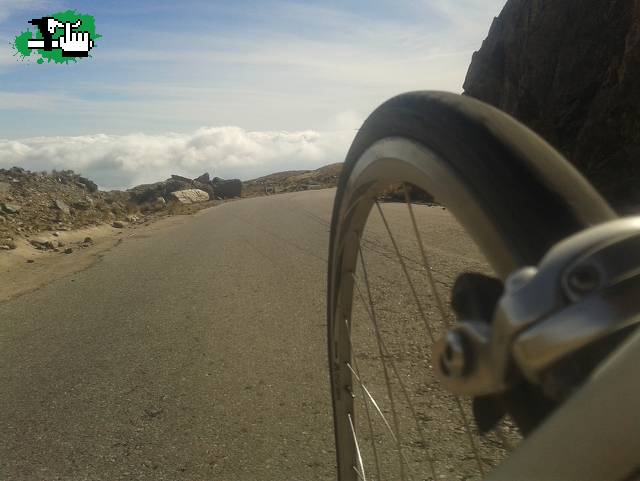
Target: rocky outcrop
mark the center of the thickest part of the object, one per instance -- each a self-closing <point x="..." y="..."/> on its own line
<point x="203" y="179"/>
<point x="190" y="196"/>
<point x="35" y="206"/>
<point x="569" y="70"/>
<point x="33" y="202"/>
<point x="147" y="192"/>
<point x="216" y="188"/>
<point x="226" y="189"/>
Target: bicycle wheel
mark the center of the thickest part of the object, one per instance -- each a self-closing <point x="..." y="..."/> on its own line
<point x="510" y="191"/>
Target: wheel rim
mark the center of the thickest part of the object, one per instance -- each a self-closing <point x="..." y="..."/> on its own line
<point x="397" y="161"/>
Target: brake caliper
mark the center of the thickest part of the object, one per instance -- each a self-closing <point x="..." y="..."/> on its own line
<point x="549" y="328"/>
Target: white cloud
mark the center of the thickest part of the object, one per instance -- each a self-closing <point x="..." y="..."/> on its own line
<point x="124" y="161"/>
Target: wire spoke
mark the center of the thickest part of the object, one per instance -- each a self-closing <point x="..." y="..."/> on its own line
<point x="355" y="441"/>
<point x="365" y="396"/>
<point x="399" y="357"/>
<point x="358" y="474"/>
<point x="380" y="413"/>
<point x="406" y="273"/>
<point x="374" y="403"/>
<point x="445" y="320"/>
<point x="384" y="366"/>
<point x="425" y="260"/>
<point x="404" y="390"/>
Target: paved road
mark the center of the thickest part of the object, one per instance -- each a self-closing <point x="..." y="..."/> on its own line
<point x="195" y="353"/>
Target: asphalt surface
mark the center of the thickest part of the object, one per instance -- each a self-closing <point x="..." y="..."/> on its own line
<point x="194" y="353"/>
<point x="197" y="351"/>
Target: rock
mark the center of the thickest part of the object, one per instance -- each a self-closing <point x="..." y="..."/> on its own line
<point x="4" y="248"/>
<point x="42" y="244"/>
<point x="190" y="196"/>
<point x="84" y="204"/>
<point x="118" y="209"/>
<point x="90" y="185"/>
<point x="203" y="179"/>
<point x="147" y="192"/>
<point x="88" y="240"/>
<point x="208" y="188"/>
<point x="8" y="243"/>
<point x="61" y="244"/>
<point x="118" y="225"/>
<point x="68" y="250"/>
<point x="159" y="203"/>
<point x="227" y="188"/>
<point x="132" y="218"/>
<point x="181" y="179"/>
<point x="172" y="185"/>
<point x="62" y="206"/>
<point x="569" y="70"/>
<point x="30" y="261"/>
<point x="10" y="208"/>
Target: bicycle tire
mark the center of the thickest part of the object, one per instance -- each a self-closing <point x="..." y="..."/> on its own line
<point x="514" y="194"/>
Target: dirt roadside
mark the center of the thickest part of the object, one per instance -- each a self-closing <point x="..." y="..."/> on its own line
<point x="26" y="268"/>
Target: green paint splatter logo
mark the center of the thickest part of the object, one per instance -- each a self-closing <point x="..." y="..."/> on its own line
<point x="61" y="37"/>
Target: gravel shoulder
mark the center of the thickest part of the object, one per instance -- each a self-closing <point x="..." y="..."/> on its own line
<point x="26" y="268"/>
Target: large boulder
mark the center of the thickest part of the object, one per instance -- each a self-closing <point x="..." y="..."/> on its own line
<point x="150" y="192"/>
<point x="177" y="183"/>
<point x="225" y="189"/>
<point x="203" y="179"/>
<point x="181" y="179"/>
<point x="190" y="196"/>
<point x="208" y="188"/>
<point x="147" y="192"/>
<point x="569" y="70"/>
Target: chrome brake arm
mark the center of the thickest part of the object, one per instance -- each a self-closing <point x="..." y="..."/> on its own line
<point x="584" y="289"/>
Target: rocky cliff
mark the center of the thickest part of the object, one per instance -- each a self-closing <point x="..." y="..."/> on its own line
<point x="570" y="70"/>
<point x="32" y="203"/>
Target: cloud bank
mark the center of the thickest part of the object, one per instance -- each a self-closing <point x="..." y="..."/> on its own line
<point x="121" y="161"/>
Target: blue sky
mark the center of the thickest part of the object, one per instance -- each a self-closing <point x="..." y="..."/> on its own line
<point x="251" y="67"/>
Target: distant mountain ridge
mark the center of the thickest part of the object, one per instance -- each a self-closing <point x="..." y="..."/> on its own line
<point x="294" y="180"/>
